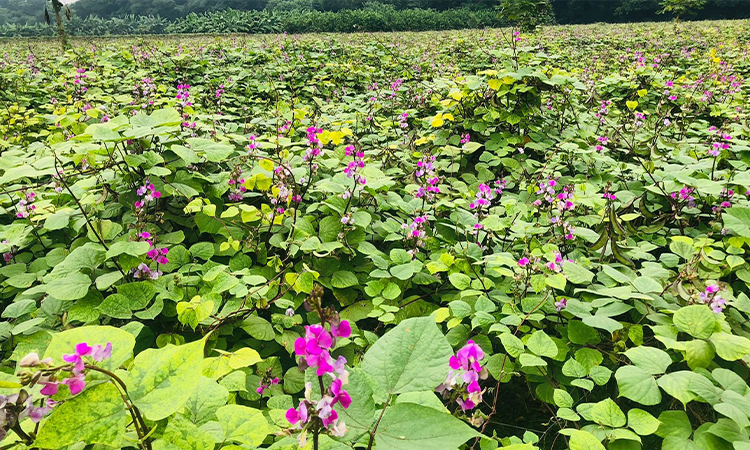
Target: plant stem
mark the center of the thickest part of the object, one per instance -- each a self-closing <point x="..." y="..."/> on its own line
<point x="377" y="424"/>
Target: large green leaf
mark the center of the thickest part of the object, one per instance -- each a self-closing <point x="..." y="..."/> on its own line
<point x="696" y="320"/>
<point x="637" y="385"/>
<point x="95" y="416"/>
<point x="411" y="357"/>
<point x="206" y="399"/>
<point x="408" y="426"/>
<point x="650" y="359"/>
<point x="244" y="425"/>
<point x="181" y="434"/>
<point x="730" y="347"/>
<point x="161" y="381"/>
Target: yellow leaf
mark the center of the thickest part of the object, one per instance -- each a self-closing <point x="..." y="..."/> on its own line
<point x="437" y="121"/>
<point x="441" y="314"/>
<point x="249" y="213"/>
<point x="456" y="94"/>
<point x="209" y="210"/>
<point x="642" y="93"/>
<point x="266" y="164"/>
<point x="494" y="84"/>
<point x="244" y="357"/>
<point x="448" y="117"/>
<point x="230" y="212"/>
<point x="632" y="104"/>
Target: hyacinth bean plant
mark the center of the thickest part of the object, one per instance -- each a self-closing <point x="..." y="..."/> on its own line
<point x="475" y="240"/>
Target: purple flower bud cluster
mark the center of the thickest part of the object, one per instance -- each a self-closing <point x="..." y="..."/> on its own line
<point x="464" y="375"/>
<point x="25" y="207"/>
<point x="313" y="144"/>
<point x="721" y="142"/>
<point x="237" y="183"/>
<point x="712" y="297"/>
<point x="685" y="195"/>
<point x="354" y="166"/>
<point x="558" y="202"/>
<point x="314" y="351"/>
<point x="148" y="193"/>
<point x="426" y="176"/>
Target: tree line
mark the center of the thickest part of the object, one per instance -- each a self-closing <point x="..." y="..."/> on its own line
<point x="565" y="11"/>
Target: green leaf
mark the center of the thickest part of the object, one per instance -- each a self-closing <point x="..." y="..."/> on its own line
<point x="360" y="415"/>
<point x="403" y="271"/>
<point x="181" y="434"/>
<point x="607" y="413"/>
<point x="698" y="354"/>
<point x="583" y="440"/>
<point x="243" y="425"/>
<point x="730" y="347"/>
<point x="637" y="385"/>
<point x="642" y="422"/>
<point x="139" y="294"/>
<point x="513" y="345"/>
<point x="259" y="328"/>
<point x="542" y="345"/>
<point x="557" y="281"/>
<point x="131" y="248"/>
<point x="577" y="274"/>
<point x="410" y="357"/>
<point x="674" y="423"/>
<point x="205" y="400"/>
<point x="408" y="426"/>
<point x="161" y="381"/>
<point x="677" y="384"/>
<point x="344" y="279"/>
<point x="460" y="281"/>
<point x="95" y="416"/>
<point x="562" y="398"/>
<point x="72" y="287"/>
<point x="116" y="306"/>
<point x="737" y="219"/>
<point x="696" y="320"/>
<point x="650" y="359"/>
<point x="65" y="343"/>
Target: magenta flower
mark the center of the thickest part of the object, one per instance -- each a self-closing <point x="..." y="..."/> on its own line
<point x="339" y="394"/>
<point x="50" y="388"/>
<point x="342" y="330"/>
<point x="76" y="358"/>
<point x="561" y="304"/>
<point x="297" y="417"/>
<point x="76" y="383"/>
<point x="523" y="262"/>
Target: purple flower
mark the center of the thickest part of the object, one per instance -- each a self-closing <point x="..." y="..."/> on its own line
<point x="561" y="304"/>
<point x="76" y="383"/>
<point x="297" y="417"/>
<point x="76" y="358"/>
<point x="523" y="262"/>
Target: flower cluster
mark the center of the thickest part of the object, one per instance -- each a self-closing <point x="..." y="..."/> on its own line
<point x="561" y="304"/>
<point x="464" y="375"/>
<point x="159" y="255"/>
<point x="721" y="142"/>
<point x="143" y="93"/>
<point x="266" y="382"/>
<point x="358" y="163"/>
<point x="558" y="202"/>
<point x="220" y="91"/>
<point x="148" y="193"/>
<point x="426" y="176"/>
<point x="15" y="408"/>
<point x="7" y="256"/>
<point x="314" y="348"/>
<point x="603" y="111"/>
<point x="416" y="230"/>
<point x="183" y="95"/>
<point x="685" y="195"/>
<point x="76" y="380"/>
<point x="712" y="297"/>
<point x="725" y="198"/>
<point x="237" y="183"/>
<point x="313" y="144"/>
<point x="485" y="194"/>
<point x="25" y="206"/>
<point x="314" y="351"/>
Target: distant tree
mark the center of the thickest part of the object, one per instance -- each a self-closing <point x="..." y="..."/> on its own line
<point x="527" y="14"/>
<point x="680" y="8"/>
<point x="58" y="7"/>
